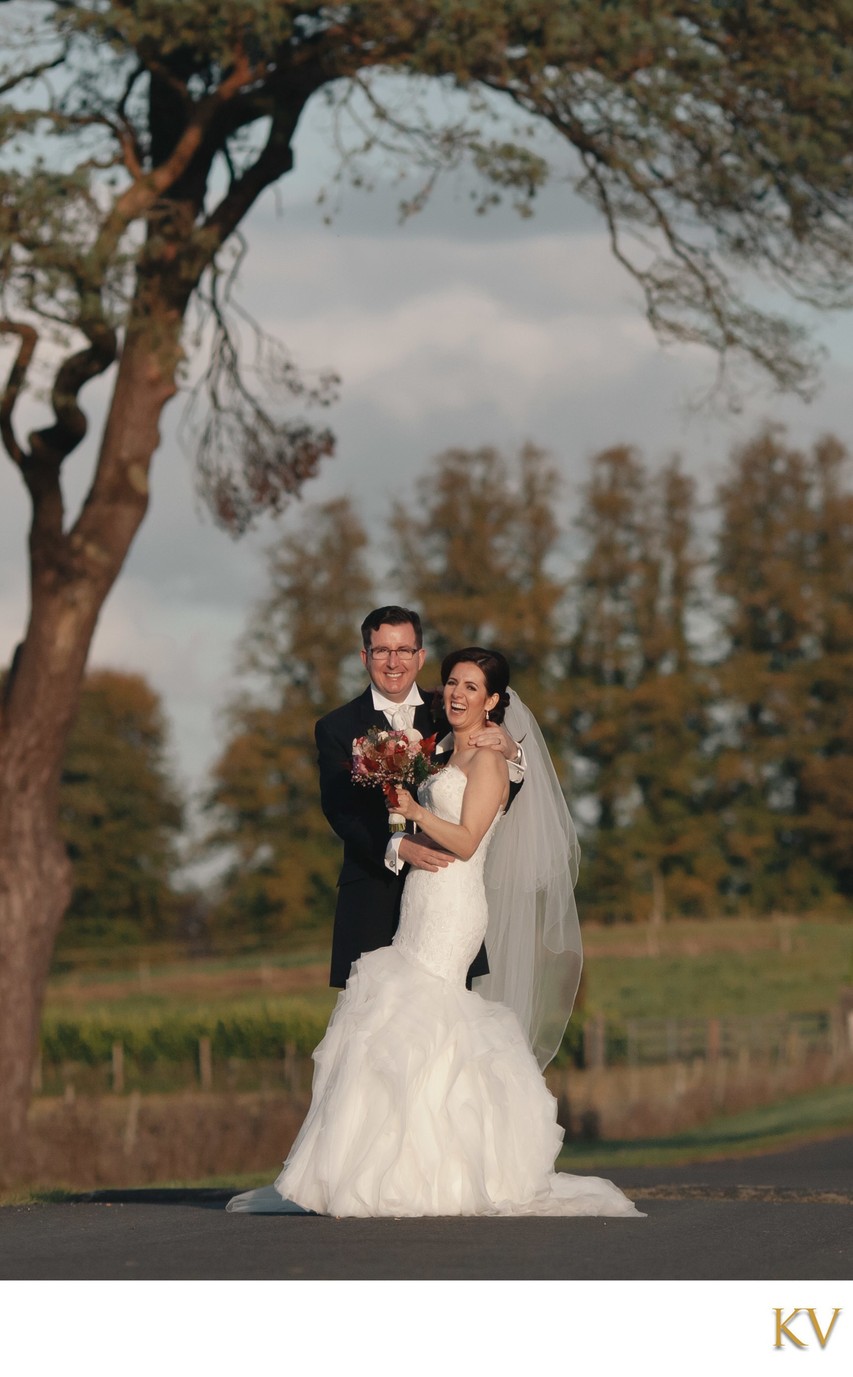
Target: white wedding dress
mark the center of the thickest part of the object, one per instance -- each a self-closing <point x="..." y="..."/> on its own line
<point x="426" y="1098"/>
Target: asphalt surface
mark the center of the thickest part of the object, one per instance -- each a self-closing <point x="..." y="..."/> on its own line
<point x="789" y="1214"/>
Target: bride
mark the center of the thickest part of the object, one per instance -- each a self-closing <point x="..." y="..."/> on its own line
<point x="427" y="1097"/>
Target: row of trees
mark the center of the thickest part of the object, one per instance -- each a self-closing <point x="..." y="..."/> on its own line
<point x="690" y="662"/>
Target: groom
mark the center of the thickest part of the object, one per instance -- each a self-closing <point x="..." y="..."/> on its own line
<point x="370" y="885"/>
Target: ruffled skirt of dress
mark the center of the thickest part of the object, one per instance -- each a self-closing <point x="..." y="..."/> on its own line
<point x="427" y="1101"/>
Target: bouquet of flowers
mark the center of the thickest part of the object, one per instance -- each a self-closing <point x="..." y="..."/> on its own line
<point x="388" y="758"/>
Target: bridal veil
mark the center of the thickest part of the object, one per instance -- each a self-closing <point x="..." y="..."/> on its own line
<point x="533" y="939"/>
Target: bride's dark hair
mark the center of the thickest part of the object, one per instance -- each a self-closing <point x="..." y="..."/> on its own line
<point x="495" y="669"/>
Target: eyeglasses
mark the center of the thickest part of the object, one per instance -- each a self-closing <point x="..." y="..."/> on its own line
<point x="404" y="653"/>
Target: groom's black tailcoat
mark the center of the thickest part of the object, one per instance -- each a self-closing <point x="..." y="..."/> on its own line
<point x="369" y="894"/>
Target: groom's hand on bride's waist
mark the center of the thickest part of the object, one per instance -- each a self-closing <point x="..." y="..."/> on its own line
<point x="424" y="854"/>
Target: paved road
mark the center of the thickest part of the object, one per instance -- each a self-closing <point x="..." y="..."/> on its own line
<point x="785" y="1215"/>
<point x="822" y="1167"/>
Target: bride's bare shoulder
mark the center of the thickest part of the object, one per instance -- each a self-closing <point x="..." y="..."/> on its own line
<point x="487" y="764"/>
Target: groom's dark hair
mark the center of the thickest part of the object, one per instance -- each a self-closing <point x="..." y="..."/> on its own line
<point x="391" y="616"/>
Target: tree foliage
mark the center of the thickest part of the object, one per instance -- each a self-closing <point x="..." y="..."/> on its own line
<point x="783" y="565"/>
<point x="264" y="802"/>
<point x="121" y="815"/>
<point x="708" y="690"/>
<point x="635" y="693"/>
<point x="697" y="699"/>
<point x="476" y="557"/>
<point x="696" y="690"/>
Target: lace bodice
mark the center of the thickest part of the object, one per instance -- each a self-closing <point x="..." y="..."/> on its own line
<point x="444" y="913"/>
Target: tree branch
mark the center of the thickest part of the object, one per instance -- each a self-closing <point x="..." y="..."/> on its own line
<point x="147" y="188"/>
<point x="273" y="162"/>
<point x="14" y="382"/>
<point x="57" y="441"/>
<point x="248" y="460"/>
<point x="30" y="75"/>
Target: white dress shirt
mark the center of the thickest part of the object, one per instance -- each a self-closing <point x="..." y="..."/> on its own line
<point x="383" y="704"/>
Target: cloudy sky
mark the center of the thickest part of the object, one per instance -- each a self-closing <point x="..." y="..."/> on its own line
<point x="451" y="330"/>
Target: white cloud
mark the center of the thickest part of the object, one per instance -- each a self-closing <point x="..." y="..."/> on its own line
<point x="451" y="348"/>
<point x="505" y="323"/>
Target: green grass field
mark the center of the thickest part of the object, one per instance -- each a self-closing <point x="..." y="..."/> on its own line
<point x="738" y="967"/>
<point x="824" y="1112"/>
<point x="733" y="966"/>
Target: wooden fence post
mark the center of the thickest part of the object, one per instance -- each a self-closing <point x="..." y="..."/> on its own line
<point x="118" y="1068"/>
<point x="632" y="1050"/>
<point x="131" y="1127"/>
<point x="292" y="1067"/>
<point x="594" y="1043"/>
<point x="712" y="1039"/>
<point x="205" y="1063"/>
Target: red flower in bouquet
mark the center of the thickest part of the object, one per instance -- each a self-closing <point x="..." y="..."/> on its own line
<point x="389" y="758"/>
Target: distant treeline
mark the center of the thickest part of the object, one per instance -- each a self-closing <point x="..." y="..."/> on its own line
<point x="690" y="659"/>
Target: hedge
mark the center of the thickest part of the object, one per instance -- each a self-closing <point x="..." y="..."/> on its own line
<point x="147" y="1039"/>
<point x="258" y="1034"/>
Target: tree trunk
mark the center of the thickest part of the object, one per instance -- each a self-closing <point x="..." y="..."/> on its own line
<point x="71" y="575"/>
<point x="35" y="887"/>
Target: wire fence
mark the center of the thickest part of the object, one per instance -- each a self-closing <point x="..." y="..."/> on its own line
<point x="770" y="1037"/>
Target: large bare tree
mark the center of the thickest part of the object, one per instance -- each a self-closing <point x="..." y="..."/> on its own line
<point x="137" y="135"/>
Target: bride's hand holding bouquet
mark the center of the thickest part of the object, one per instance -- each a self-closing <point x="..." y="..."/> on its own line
<point x="399" y="802"/>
